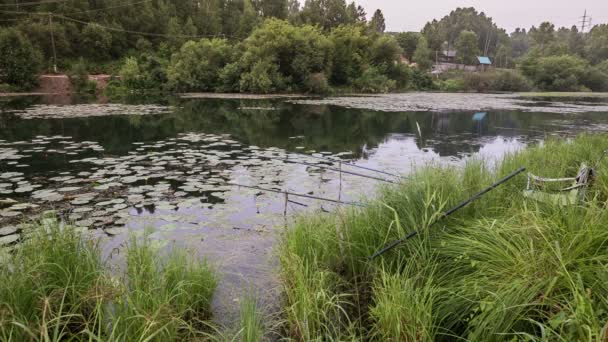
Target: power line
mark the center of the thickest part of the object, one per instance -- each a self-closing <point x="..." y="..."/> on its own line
<point x="137" y="32"/>
<point x="33" y="3"/>
<point x="110" y="7"/>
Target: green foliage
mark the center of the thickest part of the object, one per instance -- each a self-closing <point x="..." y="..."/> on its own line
<point x="284" y="55"/>
<point x="506" y="80"/>
<point x="501" y="267"/>
<point x="385" y="51"/>
<point x="264" y="77"/>
<point x="466" y="45"/>
<point x="450" y="27"/>
<point x="56" y="288"/>
<point x="408" y="42"/>
<point x="561" y="73"/>
<point x="197" y="65"/>
<point x="19" y="60"/>
<point x="95" y="42"/>
<point x="317" y="84"/>
<point x="597" y="44"/>
<point x="423" y="55"/>
<point x="378" y="24"/>
<point x="350" y="53"/>
<point x="373" y="81"/>
<point x="79" y="77"/>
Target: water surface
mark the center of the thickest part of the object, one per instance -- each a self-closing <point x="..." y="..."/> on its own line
<point x="168" y="165"/>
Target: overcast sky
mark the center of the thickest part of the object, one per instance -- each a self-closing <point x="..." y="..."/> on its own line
<point x="410" y="15"/>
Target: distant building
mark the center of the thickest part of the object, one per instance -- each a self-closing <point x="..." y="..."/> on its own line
<point x="484" y="63"/>
<point x="448" y="56"/>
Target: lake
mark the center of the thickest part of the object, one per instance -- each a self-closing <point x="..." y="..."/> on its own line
<point x="170" y="167"/>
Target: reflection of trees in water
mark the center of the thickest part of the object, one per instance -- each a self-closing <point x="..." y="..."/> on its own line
<point x="329" y="128"/>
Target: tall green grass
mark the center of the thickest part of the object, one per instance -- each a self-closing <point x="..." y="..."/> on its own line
<point x="56" y="288"/>
<point x="504" y="267"/>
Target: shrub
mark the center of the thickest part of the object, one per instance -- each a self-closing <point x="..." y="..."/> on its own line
<point x="595" y="78"/>
<point x="422" y="80"/>
<point x="130" y="74"/>
<point x="317" y="84"/>
<point x="555" y="73"/>
<point x="373" y="81"/>
<point x="510" y="81"/>
<point x="263" y="78"/>
<point x="451" y="85"/>
<point x="197" y="65"/>
<point x="79" y="77"/>
<point x="19" y="61"/>
<point x="295" y="52"/>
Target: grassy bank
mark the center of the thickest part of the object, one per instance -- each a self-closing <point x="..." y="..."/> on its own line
<point x="56" y="287"/>
<point x="503" y="268"/>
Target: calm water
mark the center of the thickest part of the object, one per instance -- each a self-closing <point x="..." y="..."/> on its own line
<point x="166" y="164"/>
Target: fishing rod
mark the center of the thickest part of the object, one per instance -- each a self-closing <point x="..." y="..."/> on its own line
<point x="298" y="195"/>
<point x="346" y="163"/>
<point x="329" y="168"/>
<point x="449" y="212"/>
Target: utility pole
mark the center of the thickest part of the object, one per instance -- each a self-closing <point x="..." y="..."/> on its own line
<point x="53" y="42"/>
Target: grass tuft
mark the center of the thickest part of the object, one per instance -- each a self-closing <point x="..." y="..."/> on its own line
<point x="504" y="267"/>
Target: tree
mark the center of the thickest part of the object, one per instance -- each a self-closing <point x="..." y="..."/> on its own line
<point x="465" y="19"/>
<point x="19" y="60"/>
<point x="466" y="47"/>
<point x="287" y="54"/>
<point x="408" y="42"/>
<point x="385" y="51"/>
<point x="377" y="23"/>
<point x="273" y="8"/>
<point x="556" y="73"/>
<point x="423" y="55"/>
<point x="543" y="35"/>
<point x="597" y="44"/>
<point x="95" y="42"/>
<point x="197" y="65"/>
<point x="350" y="53"/>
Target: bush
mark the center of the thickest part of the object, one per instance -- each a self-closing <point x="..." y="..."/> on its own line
<point x="555" y="73"/>
<point x="373" y="81"/>
<point x="510" y="81"/>
<point x="595" y="78"/>
<point x="263" y="78"/>
<point x="20" y="62"/>
<point x="79" y="77"/>
<point x="197" y="65"/>
<point x="494" y="81"/>
<point x="317" y="84"/>
<point x="295" y="53"/>
<point x="451" y="85"/>
<point x="422" y="80"/>
<point x="130" y="74"/>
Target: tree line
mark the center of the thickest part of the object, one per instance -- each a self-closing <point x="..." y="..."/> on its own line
<point x="283" y="46"/>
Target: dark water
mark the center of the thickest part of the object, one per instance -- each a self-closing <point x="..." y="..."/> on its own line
<point x="167" y="170"/>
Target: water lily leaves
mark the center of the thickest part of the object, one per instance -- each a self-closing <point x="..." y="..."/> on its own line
<point x="8" y="230"/>
<point x="9" y="214"/>
<point x="82" y="210"/>
<point x="9" y="239"/>
<point x="113" y="231"/>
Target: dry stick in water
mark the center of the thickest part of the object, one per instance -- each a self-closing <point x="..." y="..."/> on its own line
<point x="349" y="164"/>
<point x="330" y="168"/>
<point x="298" y="195"/>
<point x="449" y="212"/>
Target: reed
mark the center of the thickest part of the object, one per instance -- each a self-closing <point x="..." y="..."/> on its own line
<point x="504" y="267"/>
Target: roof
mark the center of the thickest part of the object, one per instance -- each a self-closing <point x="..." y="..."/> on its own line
<point x="449" y="53"/>
<point x="484" y="60"/>
<point x="479" y="116"/>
